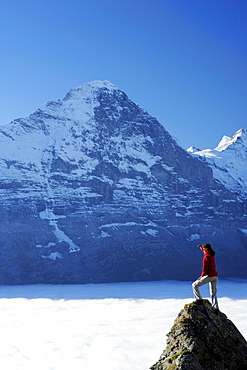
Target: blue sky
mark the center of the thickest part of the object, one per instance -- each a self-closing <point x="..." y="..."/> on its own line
<point x="184" y="61"/>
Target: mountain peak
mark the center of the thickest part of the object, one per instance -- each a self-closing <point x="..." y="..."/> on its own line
<point x="94" y="189"/>
<point x="228" y="161"/>
<point x="226" y="141"/>
<point x="89" y="88"/>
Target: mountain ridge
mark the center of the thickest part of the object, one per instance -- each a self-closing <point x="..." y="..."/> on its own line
<point x="228" y="161"/>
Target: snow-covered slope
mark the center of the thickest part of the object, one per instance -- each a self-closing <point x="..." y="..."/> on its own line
<point x="228" y="161"/>
<point x="94" y="189"/>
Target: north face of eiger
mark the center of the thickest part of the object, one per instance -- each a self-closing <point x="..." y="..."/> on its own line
<point x="94" y="189"/>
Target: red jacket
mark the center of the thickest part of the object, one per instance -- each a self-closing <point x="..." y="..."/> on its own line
<point x="208" y="266"/>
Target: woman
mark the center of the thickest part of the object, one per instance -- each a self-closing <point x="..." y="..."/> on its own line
<point x="208" y="275"/>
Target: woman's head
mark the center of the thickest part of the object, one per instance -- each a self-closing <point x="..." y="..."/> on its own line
<point x="207" y="248"/>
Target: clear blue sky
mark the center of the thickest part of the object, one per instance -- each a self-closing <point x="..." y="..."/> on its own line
<point x="184" y="61"/>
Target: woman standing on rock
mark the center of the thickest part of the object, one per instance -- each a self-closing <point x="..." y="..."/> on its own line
<point x="208" y="275"/>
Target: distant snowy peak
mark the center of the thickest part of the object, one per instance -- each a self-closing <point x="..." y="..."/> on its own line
<point x="226" y="141"/>
<point x="228" y="161"/>
<point x="193" y="149"/>
<point x="239" y="139"/>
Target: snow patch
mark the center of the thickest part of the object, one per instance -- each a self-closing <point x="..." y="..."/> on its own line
<point x="244" y="231"/>
<point x="61" y="236"/>
<point x="49" y="245"/>
<point x="118" y="224"/>
<point x="53" y="256"/>
<point x="104" y="234"/>
<point x="194" y="237"/>
<point x="152" y="232"/>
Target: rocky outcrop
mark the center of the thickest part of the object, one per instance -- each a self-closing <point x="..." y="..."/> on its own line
<point x="203" y="339"/>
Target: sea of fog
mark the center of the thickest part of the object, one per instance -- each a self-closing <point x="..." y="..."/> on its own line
<point x="120" y="326"/>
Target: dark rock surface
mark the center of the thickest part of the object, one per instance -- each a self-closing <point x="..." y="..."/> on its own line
<point x="200" y="339"/>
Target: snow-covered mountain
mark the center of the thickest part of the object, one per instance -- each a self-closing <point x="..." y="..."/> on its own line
<point x="94" y="189"/>
<point x="228" y="161"/>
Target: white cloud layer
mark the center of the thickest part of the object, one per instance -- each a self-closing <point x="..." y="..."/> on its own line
<point x="108" y="326"/>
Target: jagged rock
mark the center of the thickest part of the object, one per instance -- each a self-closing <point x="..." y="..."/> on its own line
<point x="203" y="339"/>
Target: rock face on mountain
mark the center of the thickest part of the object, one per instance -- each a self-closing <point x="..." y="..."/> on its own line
<point x="94" y="189"/>
<point x="200" y="339"/>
